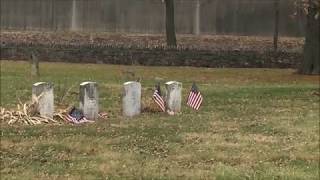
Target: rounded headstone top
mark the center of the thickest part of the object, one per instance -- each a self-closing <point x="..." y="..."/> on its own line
<point x="87" y="82"/>
<point x="43" y="85"/>
<point x="39" y="83"/>
<point x="130" y="82"/>
<point x="172" y="82"/>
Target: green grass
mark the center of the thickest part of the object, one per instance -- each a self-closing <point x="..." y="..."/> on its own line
<point x="254" y="124"/>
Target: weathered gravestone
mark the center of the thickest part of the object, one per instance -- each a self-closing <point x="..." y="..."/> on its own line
<point x="173" y="96"/>
<point x="131" y="100"/>
<point x="43" y="93"/>
<point x="89" y="100"/>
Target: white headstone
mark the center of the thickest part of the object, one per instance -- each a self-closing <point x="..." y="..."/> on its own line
<point x="89" y="100"/>
<point x="173" y="96"/>
<point x="43" y="92"/>
<point x="131" y="100"/>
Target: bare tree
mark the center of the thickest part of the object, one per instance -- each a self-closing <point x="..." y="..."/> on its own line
<point x="34" y="61"/>
<point x="311" y="64"/>
<point x="196" y="23"/>
<point x="170" y="24"/>
<point x="276" y="25"/>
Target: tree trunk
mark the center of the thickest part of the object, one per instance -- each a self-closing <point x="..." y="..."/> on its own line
<point x="74" y="25"/>
<point x="310" y="64"/>
<point x="276" y="25"/>
<point x="34" y="65"/>
<point x="196" y="25"/>
<point x="170" y="26"/>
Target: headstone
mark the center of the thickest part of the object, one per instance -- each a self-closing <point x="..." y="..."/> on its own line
<point x="131" y="100"/>
<point x="89" y="100"/>
<point x="173" y="96"/>
<point x="43" y="93"/>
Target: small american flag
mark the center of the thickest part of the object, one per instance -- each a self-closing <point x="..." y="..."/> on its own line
<point x="195" y="98"/>
<point x="71" y="119"/>
<point x="158" y="99"/>
<point x="76" y="116"/>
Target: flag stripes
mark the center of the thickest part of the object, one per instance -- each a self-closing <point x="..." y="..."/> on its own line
<point x="195" y="98"/>
<point x="76" y="116"/>
<point x="71" y="119"/>
<point x="77" y="121"/>
<point x="158" y="99"/>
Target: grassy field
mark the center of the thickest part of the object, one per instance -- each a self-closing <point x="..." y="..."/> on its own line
<point x="254" y="124"/>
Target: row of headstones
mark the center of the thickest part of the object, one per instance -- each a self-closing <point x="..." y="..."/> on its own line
<point x="89" y="104"/>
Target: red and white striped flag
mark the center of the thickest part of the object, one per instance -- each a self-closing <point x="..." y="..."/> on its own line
<point x="195" y="98"/>
<point x="158" y="99"/>
<point x="76" y="116"/>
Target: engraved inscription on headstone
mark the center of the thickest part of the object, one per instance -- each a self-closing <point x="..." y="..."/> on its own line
<point x="131" y="100"/>
<point x="173" y="96"/>
<point x="43" y="93"/>
<point x="89" y="100"/>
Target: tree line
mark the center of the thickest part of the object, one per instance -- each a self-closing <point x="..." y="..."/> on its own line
<point x="311" y="10"/>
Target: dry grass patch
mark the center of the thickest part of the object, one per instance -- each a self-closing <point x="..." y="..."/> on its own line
<point x="254" y="124"/>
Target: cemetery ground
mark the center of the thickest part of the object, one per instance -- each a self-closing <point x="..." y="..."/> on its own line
<point x="254" y="124"/>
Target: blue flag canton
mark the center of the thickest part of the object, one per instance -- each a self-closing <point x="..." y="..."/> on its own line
<point x="158" y="89"/>
<point x="76" y="113"/>
<point x="194" y="88"/>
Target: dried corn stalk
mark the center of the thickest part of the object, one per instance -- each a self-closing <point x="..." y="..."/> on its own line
<point x="26" y="113"/>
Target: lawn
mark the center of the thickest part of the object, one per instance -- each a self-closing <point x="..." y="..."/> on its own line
<point x="254" y="124"/>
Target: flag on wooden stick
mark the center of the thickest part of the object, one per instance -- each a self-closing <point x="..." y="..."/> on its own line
<point x="158" y="98"/>
<point x="195" y="98"/>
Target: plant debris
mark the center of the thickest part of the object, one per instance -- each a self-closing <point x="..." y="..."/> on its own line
<point x="26" y="113"/>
